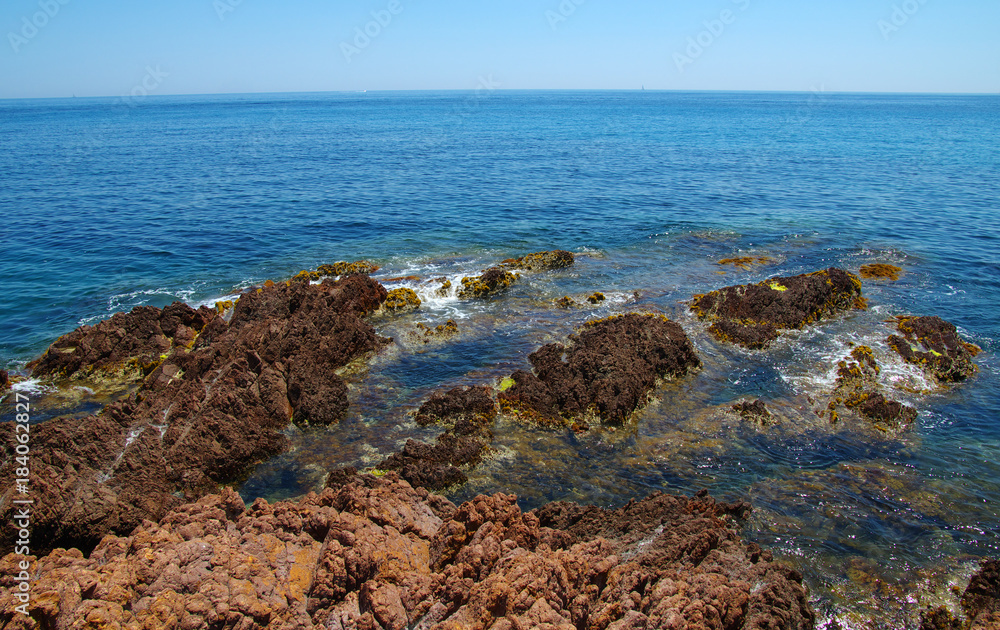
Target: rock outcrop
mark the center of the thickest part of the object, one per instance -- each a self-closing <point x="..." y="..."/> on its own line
<point x="606" y="371"/>
<point x="401" y="301"/>
<point x="202" y="417"/>
<point x="125" y="348"/>
<point x="880" y="270"/>
<point x="377" y="554"/>
<point x="468" y="414"/>
<point x="752" y="315"/>
<point x="491" y="282"/>
<point x="541" y="261"/>
<point x="858" y="389"/>
<point x="934" y="345"/>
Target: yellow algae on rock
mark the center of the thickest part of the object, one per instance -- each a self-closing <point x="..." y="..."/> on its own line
<point x="401" y="300"/>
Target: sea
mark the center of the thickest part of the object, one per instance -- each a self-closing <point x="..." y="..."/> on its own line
<point x="108" y="204"/>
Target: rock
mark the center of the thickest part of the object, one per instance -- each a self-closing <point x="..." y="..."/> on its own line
<point x="125" y="348"/>
<point x="541" y="261"/>
<point x="492" y="282"/>
<point x="377" y="553"/>
<point x="746" y="262"/>
<point x="596" y="298"/>
<point x="858" y="389"/>
<point x="401" y="301"/>
<point x="345" y="268"/>
<point x="4" y="381"/>
<point x="202" y="417"/>
<point x="980" y="602"/>
<point x="446" y="329"/>
<point x="607" y="370"/>
<point x="468" y="413"/>
<point x="880" y="270"/>
<point x="982" y="596"/>
<point x="566" y="302"/>
<point x="752" y="315"/>
<point x="754" y="411"/>
<point x="934" y="345"/>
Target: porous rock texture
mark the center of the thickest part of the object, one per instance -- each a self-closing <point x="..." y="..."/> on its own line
<point x="752" y="315"/>
<point x="934" y="345"/>
<point x="491" y="282"/>
<point x="468" y="414"/>
<point x="377" y="554"/>
<point x="125" y="347"/>
<point x="607" y="370"/>
<point x="201" y="418"/>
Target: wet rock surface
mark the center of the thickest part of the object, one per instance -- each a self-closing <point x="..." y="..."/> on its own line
<point x="754" y="411"/>
<point x="880" y="270"/>
<point x="378" y="554"/>
<point x="401" y="301"/>
<point x="468" y="414"/>
<point x="124" y="348"/>
<point x="752" y="315"/>
<point x="607" y="370"/>
<point x="202" y="417"/>
<point x="858" y="389"/>
<point x="980" y="602"/>
<point x="493" y="281"/>
<point x="934" y="344"/>
<point x="541" y="261"/>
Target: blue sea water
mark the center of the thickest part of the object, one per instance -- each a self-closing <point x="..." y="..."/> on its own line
<point x="109" y="204"/>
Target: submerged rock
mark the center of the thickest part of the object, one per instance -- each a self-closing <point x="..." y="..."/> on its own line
<point x="468" y="413"/>
<point x="376" y="553"/>
<point x="596" y="298"/>
<point x="980" y="603"/>
<point x="934" y="345"/>
<point x="541" y="261"/>
<point x="858" y="389"/>
<point x="752" y="315"/>
<point x="754" y="411"/>
<point x="401" y="301"/>
<point x="880" y="270"/>
<point x="746" y="262"/>
<point x="608" y="370"/>
<point x="492" y="282"/>
<point x="125" y="348"/>
<point x="202" y="417"/>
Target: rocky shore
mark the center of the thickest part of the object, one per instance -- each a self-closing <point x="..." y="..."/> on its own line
<point x="137" y="526"/>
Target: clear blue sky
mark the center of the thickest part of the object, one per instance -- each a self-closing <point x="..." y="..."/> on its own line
<point x="54" y="48"/>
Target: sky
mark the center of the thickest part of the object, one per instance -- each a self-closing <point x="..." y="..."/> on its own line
<point x="62" y="48"/>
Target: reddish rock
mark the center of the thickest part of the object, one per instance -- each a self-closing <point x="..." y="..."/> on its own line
<point x="752" y="315"/>
<point x="541" y="261"/>
<point x="608" y="369"/>
<point x="203" y="417"/>
<point x="125" y="347"/>
<point x="468" y="413"/>
<point x="934" y="344"/>
<point x="4" y="381"/>
<point x="859" y="390"/>
<point x="378" y="554"/>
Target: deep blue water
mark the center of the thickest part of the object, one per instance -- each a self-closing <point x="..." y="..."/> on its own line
<point x="107" y="205"/>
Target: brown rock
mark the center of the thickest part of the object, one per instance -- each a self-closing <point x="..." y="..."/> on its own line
<point x="203" y="416"/>
<point x="541" y="261"/>
<point x="492" y="282"/>
<point x="401" y="301"/>
<point x="376" y="553"/>
<point x="880" y="270"/>
<point x="752" y="314"/>
<point x="608" y="369"/>
<point x="935" y="345"/>
<point x="858" y="389"/>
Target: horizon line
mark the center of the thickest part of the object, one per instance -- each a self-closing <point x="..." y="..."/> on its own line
<point x="499" y="89"/>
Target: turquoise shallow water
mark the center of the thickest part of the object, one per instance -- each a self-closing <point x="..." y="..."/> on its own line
<point x="108" y="206"/>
